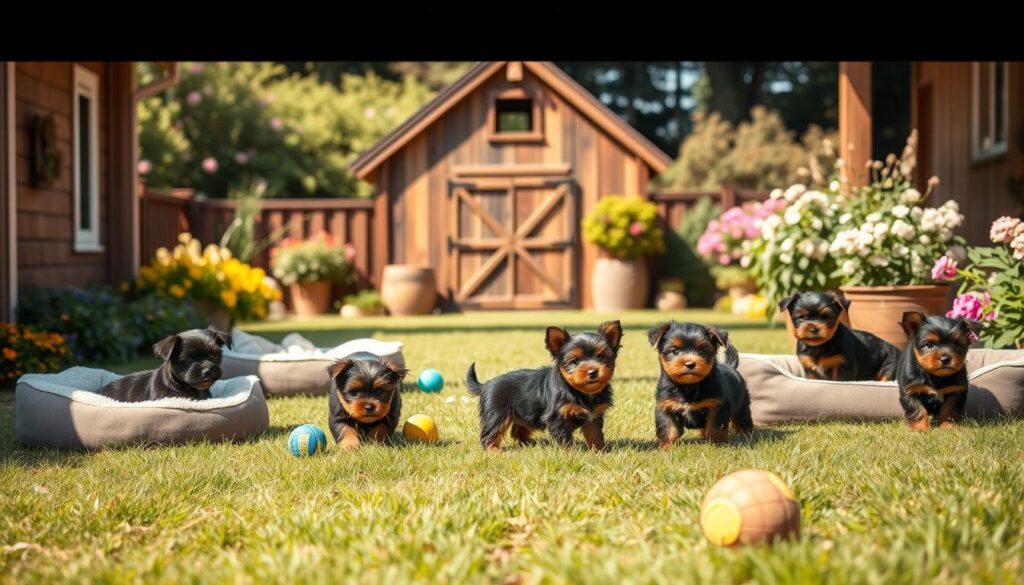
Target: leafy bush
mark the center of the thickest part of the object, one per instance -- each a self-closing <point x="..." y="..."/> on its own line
<point x="759" y="154"/>
<point x="367" y="299"/>
<point x="625" y="227"/>
<point x="154" y="318"/>
<point x="27" y="351"/>
<point x="91" y="321"/>
<point x="319" y="258"/>
<point x="240" y="235"/>
<point x="681" y="259"/>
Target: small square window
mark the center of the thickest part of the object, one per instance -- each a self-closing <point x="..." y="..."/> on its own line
<point x="989" y="104"/>
<point x="514" y="115"/>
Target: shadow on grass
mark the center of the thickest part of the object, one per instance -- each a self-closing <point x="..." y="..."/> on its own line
<point x="15" y="455"/>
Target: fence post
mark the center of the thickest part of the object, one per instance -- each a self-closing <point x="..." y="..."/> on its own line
<point x="728" y="197"/>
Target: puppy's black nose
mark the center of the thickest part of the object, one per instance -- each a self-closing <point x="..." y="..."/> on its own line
<point x="812" y="330"/>
<point x="690" y="365"/>
<point x="945" y="360"/>
<point x="592" y="374"/>
<point x="369" y="408"/>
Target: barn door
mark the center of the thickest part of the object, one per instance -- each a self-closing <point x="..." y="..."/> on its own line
<point x="512" y="242"/>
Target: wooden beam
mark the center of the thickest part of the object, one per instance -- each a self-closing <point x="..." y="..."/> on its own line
<point x="123" y="237"/>
<point x="514" y="71"/>
<point x="855" y="118"/>
<point x="7" y="264"/>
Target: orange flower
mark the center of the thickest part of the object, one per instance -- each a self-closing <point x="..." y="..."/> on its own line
<point x="10" y="353"/>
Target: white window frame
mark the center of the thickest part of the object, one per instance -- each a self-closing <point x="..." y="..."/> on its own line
<point x="86" y="83"/>
<point x="981" y="152"/>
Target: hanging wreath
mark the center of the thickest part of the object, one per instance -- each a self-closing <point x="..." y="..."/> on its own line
<point x="46" y="160"/>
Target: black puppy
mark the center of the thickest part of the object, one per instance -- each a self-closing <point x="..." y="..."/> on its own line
<point x="699" y="387"/>
<point x="931" y="371"/>
<point x="365" y="398"/>
<point x="828" y="349"/>
<point x="191" y="365"/>
<point x="572" y="393"/>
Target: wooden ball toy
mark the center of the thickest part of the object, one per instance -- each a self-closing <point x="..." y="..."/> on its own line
<point x="749" y="507"/>
<point x="420" y="428"/>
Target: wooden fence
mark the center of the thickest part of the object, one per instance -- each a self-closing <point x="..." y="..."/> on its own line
<point x="674" y="205"/>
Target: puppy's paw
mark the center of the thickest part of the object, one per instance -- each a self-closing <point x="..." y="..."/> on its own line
<point x="349" y="442"/>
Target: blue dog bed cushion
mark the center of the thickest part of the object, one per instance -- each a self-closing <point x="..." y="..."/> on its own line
<point x="779" y="393"/>
<point x="64" y="411"/>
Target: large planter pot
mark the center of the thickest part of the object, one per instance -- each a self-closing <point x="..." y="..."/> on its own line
<point x="215" y="315"/>
<point x="879" y="309"/>
<point x="310" y="298"/>
<point x="408" y="289"/>
<point x="354" y="312"/>
<point x="619" y="285"/>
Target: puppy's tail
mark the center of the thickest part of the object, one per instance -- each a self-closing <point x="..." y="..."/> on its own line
<point x="729" y="355"/>
<point x="472" y="384"/>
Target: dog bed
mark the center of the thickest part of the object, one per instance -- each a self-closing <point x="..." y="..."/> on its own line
<point x="296" y="366"/>
<point x="64" y="411"/>
<point x="779" y="393"/>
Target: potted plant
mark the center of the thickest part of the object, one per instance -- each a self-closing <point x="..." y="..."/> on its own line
<point x="722" y="245"/>
<point x="408" y="289"/>
<point x="670" y="295"/>
<point x="364" y="303"/>
<point x="887" y="244"/>
<point x="625" y="229"/>
<point x="991" y="291"/>
<point x="309" y="268"/>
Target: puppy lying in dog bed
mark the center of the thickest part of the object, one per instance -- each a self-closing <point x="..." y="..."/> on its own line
<point x="296" y="366"/>
<point x="779" y="393"/>
<point x="65" y="411"/>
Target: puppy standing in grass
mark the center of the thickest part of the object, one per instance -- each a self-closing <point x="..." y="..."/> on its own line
<point x="931" y="372"/>
<point x="365" y="399"/>
<point x="191" y="365"/>
<point x="573" y="393"/>
<point x="699" y="387"/>
<point x="828" y="349"/>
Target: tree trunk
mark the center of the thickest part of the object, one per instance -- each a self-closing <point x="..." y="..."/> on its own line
<point x="731" y="95"/>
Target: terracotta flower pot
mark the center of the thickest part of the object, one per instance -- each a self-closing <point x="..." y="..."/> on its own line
<point x="619" y="285"/>
<point x="215" y="315"/>
<point x="408" y="290"/>
<point x="354" y="312"/>
<point x="310" y="298"/>
<point x="879" y="309"/>
<point x="670" y="301"/>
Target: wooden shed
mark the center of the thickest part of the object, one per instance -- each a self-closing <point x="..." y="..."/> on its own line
<point x="489" y="181"/>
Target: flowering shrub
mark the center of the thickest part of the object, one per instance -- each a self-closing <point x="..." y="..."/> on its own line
<point x="625" y="227"/>
<point x="885" y="237"/>
<point x="212" y="275"/>
<point x="791" y="251"/>
<point x="320" y="258"/>
<point x="722" y="241"/>
<point x="993" y="286"/>
<point x="91" y="321"/>
<point x="26" y="351"/>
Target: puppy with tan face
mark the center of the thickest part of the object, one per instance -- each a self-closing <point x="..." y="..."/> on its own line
<point x="931" y="372"/>
<point x="699" y="387"/>
<point x="365" y="399"/>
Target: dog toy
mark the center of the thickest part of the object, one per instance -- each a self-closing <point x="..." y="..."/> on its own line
<point x="749" y="507"/>
<point x="430" y="381"/>
<point x="307" y="440"/>
<point x="420" y="428"/>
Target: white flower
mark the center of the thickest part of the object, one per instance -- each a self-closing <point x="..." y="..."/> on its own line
<point x="901" y="211"/>
<point x="899" y="251"/>
<point x="881" y="229"/>
<point x="822" y="251"/>
<point x="786" y="258"/>
<point x="745" y="261"/>
<point x="769" y="226"/>
<point x="916" y="212"/>
<point x="874" y="217"/>
<point x="916" y="264"/>
<point x="902" y="230"/>
<point x="775" y="194"/>
<point x="787" y="245"/>
<point x="911" y="196"/>
<point x="806" y="248"/>
<point x="945" y="234"/>
<point x="794" y="191"/>
<point x="845" y="218"/>
<point x="876" y="260"/>
<point x="792" y="216"/>
<point x="834" y="186"/>
<point x="849" y="266"/>
<point x="817" y="224"/>
<point x="924" y="239"/>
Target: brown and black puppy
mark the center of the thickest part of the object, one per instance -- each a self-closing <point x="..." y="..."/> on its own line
<point x="931" y="372"/>
<point x="699" y="387"/>
<point x="191" y="365"/>
<point x="572" y="393"/>
<point x="828" y="349"/>
<point x="365" y="399"/>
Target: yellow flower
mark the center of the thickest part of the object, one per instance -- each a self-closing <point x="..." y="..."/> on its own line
<point x="187" y="284"/>
<point x="176" y="291"/>
<point x="146" y="273"/>
<point x="196" y="273"/>
<point x="124" y="286"/>
<point x="184" y="237"/>
<point x="229" y="297"/>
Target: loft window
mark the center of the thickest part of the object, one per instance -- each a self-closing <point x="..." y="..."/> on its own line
<point x="988" y="109"/>
<point x="85" y="126"/>
<point x="513" y="115"/>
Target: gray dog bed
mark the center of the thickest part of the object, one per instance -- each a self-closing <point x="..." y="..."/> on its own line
<point x="64" y="411"/>
<point x="779" y="393"/>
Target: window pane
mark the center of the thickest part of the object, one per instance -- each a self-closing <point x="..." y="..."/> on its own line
<point x="84" y="163"/>
<point x="1000" y="101"/>
<point x="514" y="116"/>
<point x="984" y="105"/>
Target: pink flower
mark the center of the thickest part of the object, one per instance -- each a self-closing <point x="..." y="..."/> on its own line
<point x="196" y="68"/>
<point x="724" y="259"/>
<point x="972" y="305"/>
<point x="635" y="229"/>
<point x="1018" y="246"/>
<point x="944" y="269"/>
<point x="194" y="98"/>
<point x="208" y="91"/>
<point x="276" y="123"/>
<point x="267" y="100"/>
<point x="145" y="166"/>
<point x="241" y="158"/>
<point x="210" y="165"/>
<point x="369" y="113"/>
<point x="350" y="252"/>
<point x="1005" y="229"/>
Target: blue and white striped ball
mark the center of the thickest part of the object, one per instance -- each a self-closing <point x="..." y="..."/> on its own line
<point x="307" y="440"/>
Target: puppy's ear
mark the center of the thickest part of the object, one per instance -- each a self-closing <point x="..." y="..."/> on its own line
<point x="163" y="349"/>
<point x="841" y="301"/>
<point x="612" y="332"/>
<point x="400" y="371"/>
<point x="786" y="302"/>
<point x="911" y="322"/>
<point x="719" y="337"/>
<point x="654" y="334"/>
<point x="973" y="326"/>
<point x="339" y="367"/>
<point x="223" y="338"/>
<point x="554" y="339"/>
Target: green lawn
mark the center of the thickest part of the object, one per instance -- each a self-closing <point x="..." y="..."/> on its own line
<point x="879" y="504"/>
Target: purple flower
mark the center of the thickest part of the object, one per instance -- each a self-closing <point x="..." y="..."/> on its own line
<point x="145" y="167"/>
<point x="276" y="123"/>
<point x="944" y="269"/>
<point x="210" y="165"/>
<point x="635" y="229"/>
<point x="194" y="98"/>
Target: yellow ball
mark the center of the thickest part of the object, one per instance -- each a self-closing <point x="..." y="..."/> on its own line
<point x="421" y="428"/>
<point x="749" y="507"/>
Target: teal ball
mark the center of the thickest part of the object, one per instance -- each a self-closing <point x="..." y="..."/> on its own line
<point x="307" y="440"/>
<point x="430" y="381"/>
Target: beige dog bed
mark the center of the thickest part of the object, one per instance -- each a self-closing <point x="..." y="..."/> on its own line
<point x="779" y="393"/>
<point x="295" y="366"/>
<point x="64" y="411"/>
